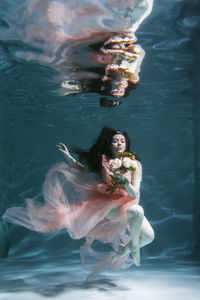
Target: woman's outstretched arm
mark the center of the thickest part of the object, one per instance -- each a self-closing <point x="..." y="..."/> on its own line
<point x="71" y="160"/>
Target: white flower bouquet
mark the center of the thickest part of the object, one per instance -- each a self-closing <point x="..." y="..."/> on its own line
<point x="120" y="166"/>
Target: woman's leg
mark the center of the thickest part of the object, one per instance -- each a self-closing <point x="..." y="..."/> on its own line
<point x="135" y="215"/>
<point x="141" y="234"/>
<point x="146" y="234"/>
<point x="113" y="213"/>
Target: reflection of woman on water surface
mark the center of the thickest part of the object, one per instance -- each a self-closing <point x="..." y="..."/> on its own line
<point x="119" y="60"/>
<point x="105" y="209"/>
<point x="90" y="44"/>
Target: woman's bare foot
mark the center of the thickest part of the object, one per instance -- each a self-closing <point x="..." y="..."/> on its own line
<point x="135" y="252"/>
<point x="121" y="253"/>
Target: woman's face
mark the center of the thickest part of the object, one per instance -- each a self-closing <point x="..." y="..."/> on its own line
<point x="118" y="144"/>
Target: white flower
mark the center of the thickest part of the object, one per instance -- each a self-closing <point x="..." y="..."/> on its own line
<point x="133" y="164"/>
<point x="127" y="162"/>
<point x="116" y="163"/>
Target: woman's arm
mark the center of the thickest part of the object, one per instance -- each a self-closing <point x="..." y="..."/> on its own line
<point x="133" y="188"/>
<point x="72" y="162"/>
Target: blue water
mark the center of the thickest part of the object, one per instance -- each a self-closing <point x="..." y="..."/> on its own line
<point x="162" y="118"/>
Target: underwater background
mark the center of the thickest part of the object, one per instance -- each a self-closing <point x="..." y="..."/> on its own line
<point x="162" y="117"/>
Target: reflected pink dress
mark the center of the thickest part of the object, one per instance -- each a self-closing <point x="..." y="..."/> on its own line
<point x="76" y="201"/>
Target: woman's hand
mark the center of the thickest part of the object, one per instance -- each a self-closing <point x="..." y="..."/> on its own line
<point x="63" y="148"/>
<point x="117" y="179"/>
<point x="72" y="161"/>
<point x="120" y="178"/>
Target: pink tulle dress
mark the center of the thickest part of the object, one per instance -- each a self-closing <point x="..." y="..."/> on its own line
<point x="78" y="202"/>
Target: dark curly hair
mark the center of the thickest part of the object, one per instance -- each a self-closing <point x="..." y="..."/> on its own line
<point x="93" y="157"/>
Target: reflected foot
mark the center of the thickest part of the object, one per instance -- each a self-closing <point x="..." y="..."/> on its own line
<point x="71" y="85"/>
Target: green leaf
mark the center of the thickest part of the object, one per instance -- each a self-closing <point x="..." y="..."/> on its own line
<point x="132" y="169"/>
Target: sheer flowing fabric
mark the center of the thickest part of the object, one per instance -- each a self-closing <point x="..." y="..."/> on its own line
<point x="76" y="201"/>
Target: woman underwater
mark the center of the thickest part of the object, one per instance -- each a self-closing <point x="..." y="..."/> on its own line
<point x="103" y="207"/>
